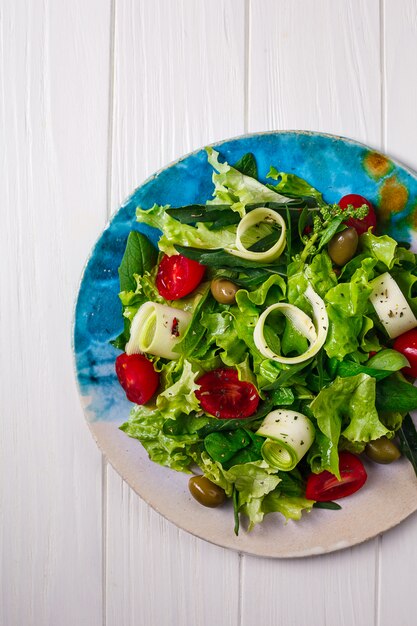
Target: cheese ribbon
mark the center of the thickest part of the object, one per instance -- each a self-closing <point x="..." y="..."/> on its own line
<point x="391" y="306"/>
<point x="314" y="330"/>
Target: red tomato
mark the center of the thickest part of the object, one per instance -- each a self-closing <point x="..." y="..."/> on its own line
<point x="223" y="395"/>
<point x="178" y="276"/>
<point x="407" y="345"/>
<point x="324" y="487"/>
<point x="137" y="377"/>
<point x="361" y="226"/>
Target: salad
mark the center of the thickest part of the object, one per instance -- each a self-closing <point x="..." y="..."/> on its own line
<point x="269" y="343"/>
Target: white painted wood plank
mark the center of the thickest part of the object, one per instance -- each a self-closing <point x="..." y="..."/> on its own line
<point x="54" y="128"/>
<point x="400" y="88"/>
<point x="315" y="66"/>
<point x="178" y="85"/>
<point x="318" y="590"/>
<point x="399" y="546"/>
<point x="160" y="574"/>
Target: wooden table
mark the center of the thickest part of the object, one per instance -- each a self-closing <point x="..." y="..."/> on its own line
<point x="95" y="96"/>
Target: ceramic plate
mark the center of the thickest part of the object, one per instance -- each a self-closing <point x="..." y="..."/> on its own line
<point x="334" y="165"/>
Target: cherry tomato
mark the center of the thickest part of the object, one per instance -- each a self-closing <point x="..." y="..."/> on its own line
<point x="137" y="376"/>
<point x="178" y="276"/>
<point x="407" y="345"/>
<point x="223" y="395"/>
<point x="361" y="226"/>
<point x="324" y="487"/>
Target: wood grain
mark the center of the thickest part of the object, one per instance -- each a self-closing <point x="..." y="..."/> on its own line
<point x="396" y="590"/>
<point x="315" y="73"/>
<point x="54" y="120"/>
<point x="178" y="85"/>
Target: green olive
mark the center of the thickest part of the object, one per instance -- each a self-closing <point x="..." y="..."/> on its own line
<point x="382" y="451"/>
<point x="223" y="290"/>
<point x="342" y="247"/>
<point x="206" y="492"/>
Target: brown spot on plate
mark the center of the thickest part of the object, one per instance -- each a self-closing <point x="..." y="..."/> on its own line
<point x="377" y="165"/>
<point x="393" y="197"/>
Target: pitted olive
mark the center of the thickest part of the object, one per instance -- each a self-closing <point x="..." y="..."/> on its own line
<point x="382" y="450"/>
<point x="223" y="290"/>
<point x="206" y="492"/>
<point x="342" y="247"/>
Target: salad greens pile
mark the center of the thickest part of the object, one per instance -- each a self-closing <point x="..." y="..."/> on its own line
<point x="352" y="389"/>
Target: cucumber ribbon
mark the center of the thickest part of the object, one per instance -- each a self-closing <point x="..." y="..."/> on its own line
<point x="156" y="329"/>
<point x="254" y="218"/>
<point x="289" y="435"/>
<point x="314" y="330"/>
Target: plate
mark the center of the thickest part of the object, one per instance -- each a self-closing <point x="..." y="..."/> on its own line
<point x="336" y="166"/>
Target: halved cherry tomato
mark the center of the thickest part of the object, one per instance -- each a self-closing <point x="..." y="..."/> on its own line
<point x="178" y="276"/>
<point x="223" y="395"/>
<point x="137" y="376"/>
<point x="407" y="345"/>
<point x="324" y="487"/>
<point x="361" y="226"/>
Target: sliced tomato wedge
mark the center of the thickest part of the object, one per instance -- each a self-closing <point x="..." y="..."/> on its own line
<point x="223" y="395"/>
<point x="178" y="276"/>
<point x="137" y="376"/>
<point x="361" y="226"/>
<point x="407" y="345"/>
<point x="325" y="486"/>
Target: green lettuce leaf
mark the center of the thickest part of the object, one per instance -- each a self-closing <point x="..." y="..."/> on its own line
<point x="236" y="189"/>
<point x="346" y="407"/>
<point x="294" y="186"/>
<point x="199" y="236"/>
<point x="146" y="425"/>
<point x="347" y="304"/>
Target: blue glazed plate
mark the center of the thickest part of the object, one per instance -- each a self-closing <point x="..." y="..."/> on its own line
<point x="336" y="166"/>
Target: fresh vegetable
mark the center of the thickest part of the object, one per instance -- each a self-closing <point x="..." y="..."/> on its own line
<point x="137" y="376"/>
<point x="156" y="329"/>
<point x="268" y="315"/>
<point x="252" y="221"/>
<point x="406" y="344"/>
<point x="289" y="436"/>
<point x="325" y="486"/>
<point x="360" y="225"/>
<point x="178" y="276"/>
<point x="223" y="395"/>
<point x="315" y="332"/>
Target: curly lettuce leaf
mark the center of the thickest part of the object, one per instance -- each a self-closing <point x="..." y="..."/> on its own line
<point x="238" y="190"/>
<point x="346" y="407"/>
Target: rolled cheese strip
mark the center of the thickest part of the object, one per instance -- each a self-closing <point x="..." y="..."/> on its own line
<point x="257" y="216"/>
<point x="315" y="331"/>
<point x="391" y="306"/>
<point x="156" y="329"/>
<point x="289" y="435"/>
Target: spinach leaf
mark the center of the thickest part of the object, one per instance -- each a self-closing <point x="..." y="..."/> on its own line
<point x="247" y="165"/>
<point x="393" y="394"/>
<point x="408" y="440"/>
<point x="333" y="506"/>
<point x="350" y="368"/>
<point x="221" y="259"/>
<point x="234" y="447"/>
<point x="220" y="215"/>
<point x="140" y="256"/>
